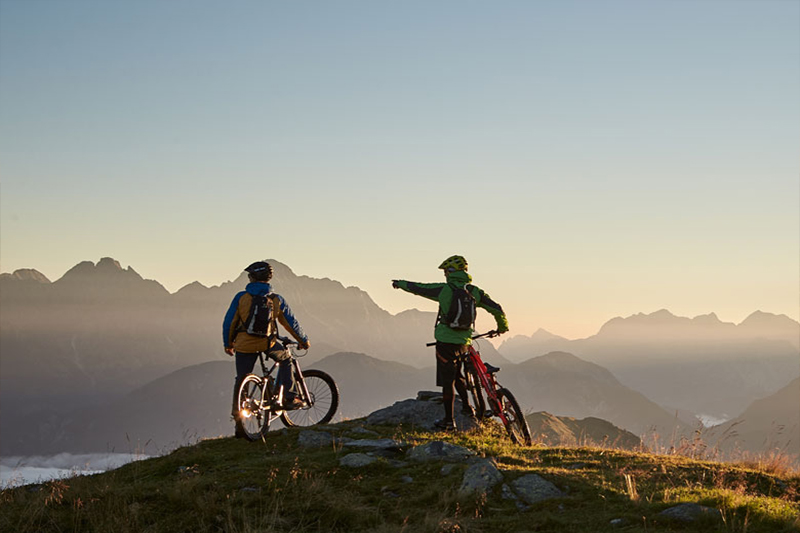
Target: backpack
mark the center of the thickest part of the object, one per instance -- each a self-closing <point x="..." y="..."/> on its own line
<point x="260" y="317"/>
<point x="463" y="309"/>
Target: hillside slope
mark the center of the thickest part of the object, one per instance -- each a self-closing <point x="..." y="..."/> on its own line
<point x="349" y="477"/>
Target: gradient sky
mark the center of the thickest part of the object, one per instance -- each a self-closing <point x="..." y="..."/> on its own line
<point x="591" y="159"/>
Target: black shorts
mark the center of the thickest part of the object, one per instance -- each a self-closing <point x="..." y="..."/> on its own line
<point x="448" y="360"/>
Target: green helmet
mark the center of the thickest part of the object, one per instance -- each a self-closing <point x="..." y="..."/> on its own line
<point x="453" y="263"/>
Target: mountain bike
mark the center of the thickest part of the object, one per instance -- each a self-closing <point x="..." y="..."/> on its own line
<point x="260" y="402"/>
<point x="480" y="378"/>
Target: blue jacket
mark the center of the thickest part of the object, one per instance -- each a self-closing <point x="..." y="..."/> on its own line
<point x="233" y="337"/>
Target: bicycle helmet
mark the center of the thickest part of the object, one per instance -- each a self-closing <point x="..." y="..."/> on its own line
<point x="260" y="271"/>
<point x="453" y="263"/>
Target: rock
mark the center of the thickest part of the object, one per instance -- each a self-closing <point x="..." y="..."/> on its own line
<point x="480" y="477"/>
<point x="418" y="413"/>
<point x="689" y="512"/>
<point x="617" y="522"/>
<point x="507" y="494"/>
<point x="448" y="469"/>
<point x="439" y="451"/>
<point x="386" y="454"/>
<point x="356" y="460"/>
<point x="407" y="479"/>
<point x="380" y="444"/>
<point x="361" y="430"/>
<point x="429" y="396"/>
<point x="533" y="489"/>
<point x="314" y="439"/>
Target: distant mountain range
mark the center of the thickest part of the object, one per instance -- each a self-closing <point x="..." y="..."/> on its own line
<point x="101" y="331"/>
<point x="768" y="425"/>
<point x="702" y="365"/>
<point x="194" y="402"/>
<point x="102" y="352"/>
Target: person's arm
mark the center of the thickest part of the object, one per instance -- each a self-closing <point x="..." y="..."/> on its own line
<point x="230" y="324"/>
<point x="430" y="291"/>
<point x="290" y="323"/>
<point x="485" y="302"/>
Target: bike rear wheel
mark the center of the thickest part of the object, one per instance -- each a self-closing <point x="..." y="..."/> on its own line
<point x="321" y="404"/>
<point x="516" y="426"/>
<point x="252" y="420"/>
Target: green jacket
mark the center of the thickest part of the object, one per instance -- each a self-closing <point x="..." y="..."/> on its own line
<point x="437" y="293"/>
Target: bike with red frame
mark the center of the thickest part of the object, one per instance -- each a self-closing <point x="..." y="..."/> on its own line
<point x="480" y="379"/>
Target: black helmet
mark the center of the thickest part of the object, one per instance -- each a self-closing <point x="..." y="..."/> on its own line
<point x="260" y="271"/>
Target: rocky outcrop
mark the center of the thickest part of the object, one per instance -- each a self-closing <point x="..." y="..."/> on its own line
<point x="421" y="412"/>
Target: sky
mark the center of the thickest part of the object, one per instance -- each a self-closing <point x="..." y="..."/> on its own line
<point x="591" y="159"/>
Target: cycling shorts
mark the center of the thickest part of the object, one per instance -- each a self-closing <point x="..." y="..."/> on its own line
<point x="448" y="360"/>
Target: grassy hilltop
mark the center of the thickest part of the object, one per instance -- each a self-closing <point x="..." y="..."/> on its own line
<point x="278" y="485"/>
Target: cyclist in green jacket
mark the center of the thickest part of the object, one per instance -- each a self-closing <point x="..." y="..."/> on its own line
<point x="454" y="327"/>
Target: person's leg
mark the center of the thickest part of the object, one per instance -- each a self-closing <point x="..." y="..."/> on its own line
<point x="461" y="387"/>
<point x="285" y="377"/>
<point x="445" y="377"/>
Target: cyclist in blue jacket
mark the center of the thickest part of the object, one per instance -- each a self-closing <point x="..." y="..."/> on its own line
<point x="244" y="336"/>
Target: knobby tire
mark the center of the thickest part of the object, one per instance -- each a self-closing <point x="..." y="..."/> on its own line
<point x="249" y="397"/>
<point x="325" y="397"/>
<point x="516" y="425"/>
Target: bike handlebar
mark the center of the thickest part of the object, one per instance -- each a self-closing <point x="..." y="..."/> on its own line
<point x="492" y="333"/>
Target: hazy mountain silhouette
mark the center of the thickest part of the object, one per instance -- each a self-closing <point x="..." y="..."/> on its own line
<point x="103" y="336"/>
<point x="567" y="431"/>
<point x="768" y="424"/>
<point x="701" y="365"/>
<point x="100" y="331"/>
<point x="194" y="402"/>
<point x="565" y="385"/>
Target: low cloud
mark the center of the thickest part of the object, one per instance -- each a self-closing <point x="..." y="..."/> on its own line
<point x="18" y="470"/>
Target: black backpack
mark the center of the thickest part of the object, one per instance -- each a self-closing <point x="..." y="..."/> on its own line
<point x="463" y="309"/>
<point x="260" y="317"/>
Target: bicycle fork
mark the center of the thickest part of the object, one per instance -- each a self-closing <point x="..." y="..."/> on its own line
<point x="300" y="383"/>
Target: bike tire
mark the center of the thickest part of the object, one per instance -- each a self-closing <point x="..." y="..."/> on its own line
<point x="251" y="420"/>
<point x="516" y="425"/>
<point x="476" y="394"/>
<point x="324" y="401"/>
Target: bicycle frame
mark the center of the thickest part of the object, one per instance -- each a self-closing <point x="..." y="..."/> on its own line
<point x="488" y="382"/>
<point x="300" y="382"/>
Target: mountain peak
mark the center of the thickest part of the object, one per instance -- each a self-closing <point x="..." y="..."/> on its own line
<point x="544" y="335"/>
<point x="710" y="318"/>
<point x="108" y="263"/>
<point x="760" y="318"/>
<point x="27" y="274"/>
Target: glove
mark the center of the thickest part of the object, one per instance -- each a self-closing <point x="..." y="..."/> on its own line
<point x="396" y="283"/>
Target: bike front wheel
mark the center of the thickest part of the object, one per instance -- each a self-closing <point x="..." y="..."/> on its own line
<point x="320" y="405"/>
<point x="516" y="425"/>
<point x="251" y="419"/>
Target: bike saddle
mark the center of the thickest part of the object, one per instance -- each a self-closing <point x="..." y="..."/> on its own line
<point x="491" y="369"/>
